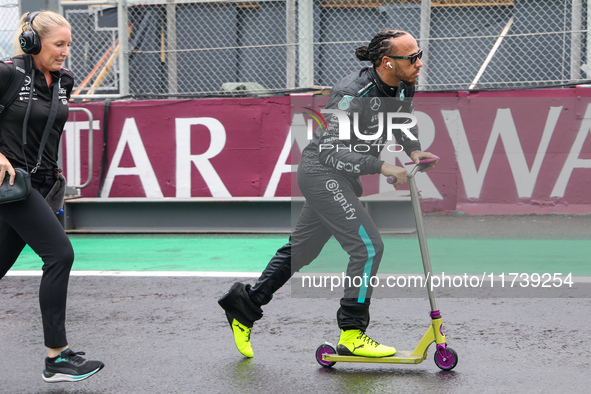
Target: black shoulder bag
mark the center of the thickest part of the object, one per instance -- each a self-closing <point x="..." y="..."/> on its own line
<point x="22" y="180"/>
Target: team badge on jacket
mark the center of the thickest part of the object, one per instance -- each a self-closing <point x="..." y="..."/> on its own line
<point x="345" y="103"/>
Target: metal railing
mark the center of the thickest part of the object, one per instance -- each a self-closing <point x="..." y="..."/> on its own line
<point x="73" y="150"/>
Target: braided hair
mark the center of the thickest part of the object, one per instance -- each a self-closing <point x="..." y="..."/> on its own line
<point x="378" y="46"/>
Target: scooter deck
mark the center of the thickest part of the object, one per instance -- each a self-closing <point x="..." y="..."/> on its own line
<point x="401" y="357"/>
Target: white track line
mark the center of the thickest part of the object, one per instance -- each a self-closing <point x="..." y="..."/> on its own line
<point x="203" y="274"/>
<point x="213" y="274"/>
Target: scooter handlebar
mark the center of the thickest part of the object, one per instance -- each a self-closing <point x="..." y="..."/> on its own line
<point x="419" y="167"/>
<point x="423" y="163"/>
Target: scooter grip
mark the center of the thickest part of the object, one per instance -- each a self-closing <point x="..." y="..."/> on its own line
<point x="391" y="180"/>
<point x="422" y="166"/>
<point x="423" y="163"/>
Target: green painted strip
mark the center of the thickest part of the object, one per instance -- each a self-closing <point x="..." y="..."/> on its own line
<point x="252" y="252"/>
<point x="166" y="252"/>
<point x="473" y="256"/>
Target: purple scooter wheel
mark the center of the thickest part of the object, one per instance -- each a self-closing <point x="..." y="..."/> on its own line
<point x="446" y="359"/>
<point x="325" y="349"/>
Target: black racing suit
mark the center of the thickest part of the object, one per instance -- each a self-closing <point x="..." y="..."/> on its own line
<point x="31" y="221"/>
<point x="328" y="177"/>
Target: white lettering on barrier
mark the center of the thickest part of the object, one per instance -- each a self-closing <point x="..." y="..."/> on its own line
<point x="280" y="167"/>
<point x="73" y="160"/>
<point x="184" y="158"/>
<point x="503" y="128"/>
<point x="131" y="138"/>
<point x="573" y="161"/>
<point x="296" y="135"/>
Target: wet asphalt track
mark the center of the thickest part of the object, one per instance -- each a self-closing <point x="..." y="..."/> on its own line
<point x="168" y="335"/>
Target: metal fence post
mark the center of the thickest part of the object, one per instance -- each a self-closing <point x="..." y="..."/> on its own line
<point x="575" y="41"/>
<point x="171" y="46"/>
<point x="122" y="24"/>
<point x="290" y="40"/>
<point x="588" y="40"/>
<point x="424" y="41"/>
<point x="306" y="40"/>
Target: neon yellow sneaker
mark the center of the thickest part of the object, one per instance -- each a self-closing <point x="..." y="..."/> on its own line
<point x="242" y="338"/>
<point x="356" y="343"/>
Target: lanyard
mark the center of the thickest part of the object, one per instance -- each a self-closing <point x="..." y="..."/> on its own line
<point x="50" y="119"/>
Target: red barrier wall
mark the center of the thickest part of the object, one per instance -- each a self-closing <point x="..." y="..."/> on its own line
<point x="502" y="152"/>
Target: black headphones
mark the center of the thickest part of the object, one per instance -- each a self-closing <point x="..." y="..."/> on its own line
<point x="29" y="39"/>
